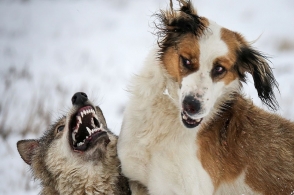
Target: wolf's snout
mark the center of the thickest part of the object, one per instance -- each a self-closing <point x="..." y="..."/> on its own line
<point x="191" y="105"/>
<point x="79" y="98"/>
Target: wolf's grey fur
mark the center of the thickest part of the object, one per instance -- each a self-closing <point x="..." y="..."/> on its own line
<point x="62" y="169"/>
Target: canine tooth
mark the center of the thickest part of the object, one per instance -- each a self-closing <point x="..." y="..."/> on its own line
<point x="79" y="119"/>
<point x="185" y="117"/>
<point x="82" y="114"/>
<point x="89" y="130"/>
<point x="75" y="130"/>
<point x="73" y="137"/>
<point x="92" y="122"/>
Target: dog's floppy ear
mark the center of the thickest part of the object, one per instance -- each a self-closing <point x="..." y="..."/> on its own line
<point x="252" y="61"/>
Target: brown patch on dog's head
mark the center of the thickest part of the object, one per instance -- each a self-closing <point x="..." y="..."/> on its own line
<point x="182" y="60"/>
<point x="178" y="31"/>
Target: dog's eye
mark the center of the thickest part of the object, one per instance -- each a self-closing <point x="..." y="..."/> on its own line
<point x="218" y="70"/>
<point x="60" y="128"/>
<point x="187" y="63"/>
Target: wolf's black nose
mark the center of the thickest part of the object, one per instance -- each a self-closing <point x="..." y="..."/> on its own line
<point x="79" y="98"/>
<point x="191" y="105"/>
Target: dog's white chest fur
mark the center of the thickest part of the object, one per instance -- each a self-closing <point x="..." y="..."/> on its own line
<point x="175" y="169"/>
<point x="154" y="148"/>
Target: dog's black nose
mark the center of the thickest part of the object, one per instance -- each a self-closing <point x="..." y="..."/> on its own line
<point x="191" y="105"/>
<point x="79" y="98"/>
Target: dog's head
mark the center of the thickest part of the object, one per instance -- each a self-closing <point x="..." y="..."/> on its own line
<point x="208" y="61"/>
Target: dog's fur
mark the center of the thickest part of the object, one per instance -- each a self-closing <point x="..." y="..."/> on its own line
<point x="66" y="169"/>
<point x="188" y="129"/>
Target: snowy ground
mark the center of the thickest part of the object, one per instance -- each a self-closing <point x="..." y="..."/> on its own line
<point x="51" y="49"/>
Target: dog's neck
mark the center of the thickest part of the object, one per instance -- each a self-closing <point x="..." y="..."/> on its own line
<point x="230" y="111"/>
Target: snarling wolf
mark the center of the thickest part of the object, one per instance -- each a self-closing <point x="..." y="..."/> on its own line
<point x="188" y="129"/>
<point x="77" y="155"/>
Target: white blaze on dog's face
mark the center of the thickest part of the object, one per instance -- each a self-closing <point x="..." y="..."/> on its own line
<point x="205" y="85"/>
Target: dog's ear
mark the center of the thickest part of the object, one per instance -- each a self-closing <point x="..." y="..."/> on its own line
<point x="252" y="61"/>
<point x="186" y="7"/>
<point x="173" y="24"/>
<point x="26" y="149"/>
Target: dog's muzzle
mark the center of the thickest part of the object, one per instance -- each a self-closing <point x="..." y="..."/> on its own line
<point x="190" y="107"/>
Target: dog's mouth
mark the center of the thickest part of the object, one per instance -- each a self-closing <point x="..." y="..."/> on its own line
<point x="85" y="129"/>
<point x="188" y="121"/>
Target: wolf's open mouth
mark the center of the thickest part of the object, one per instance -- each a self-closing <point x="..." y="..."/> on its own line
<point x="188" y="121"/>
<point x="84" y="128"/>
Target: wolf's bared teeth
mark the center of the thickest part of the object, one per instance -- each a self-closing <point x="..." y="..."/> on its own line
<point x="82" y="114"/>
<point x="89" y="131"/>
<point x="79" y="119"/>
<point x="92" y="122"/>
<point x="74" y="137"/>
<point x="76" y="130"/>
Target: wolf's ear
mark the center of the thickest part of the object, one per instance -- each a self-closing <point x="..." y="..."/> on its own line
<point x="26" y="149"/>
<point x="255" y="63"/>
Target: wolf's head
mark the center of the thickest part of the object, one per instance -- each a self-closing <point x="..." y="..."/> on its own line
<point x="82" y="133"/>
<point x="77" y="146"/>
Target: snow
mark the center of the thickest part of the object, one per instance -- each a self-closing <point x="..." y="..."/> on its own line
<point x="51" y="49"/>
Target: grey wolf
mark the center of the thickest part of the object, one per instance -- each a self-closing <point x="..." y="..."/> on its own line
<point x="77" y="155"/>
<point x="189" y="129"/>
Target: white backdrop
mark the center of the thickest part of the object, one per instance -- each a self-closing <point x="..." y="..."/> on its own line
<point x="51" y="49"/>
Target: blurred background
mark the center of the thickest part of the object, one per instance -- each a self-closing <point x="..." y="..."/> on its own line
<point x="51" y="49"/>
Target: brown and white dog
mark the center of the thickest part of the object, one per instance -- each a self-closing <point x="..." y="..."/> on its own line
<point x="188" y="129"/>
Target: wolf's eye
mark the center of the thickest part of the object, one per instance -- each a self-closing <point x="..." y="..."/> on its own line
<point x="60" y="128"/>
<point x="187" y="63"/>
<point x="218" y="70"/>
